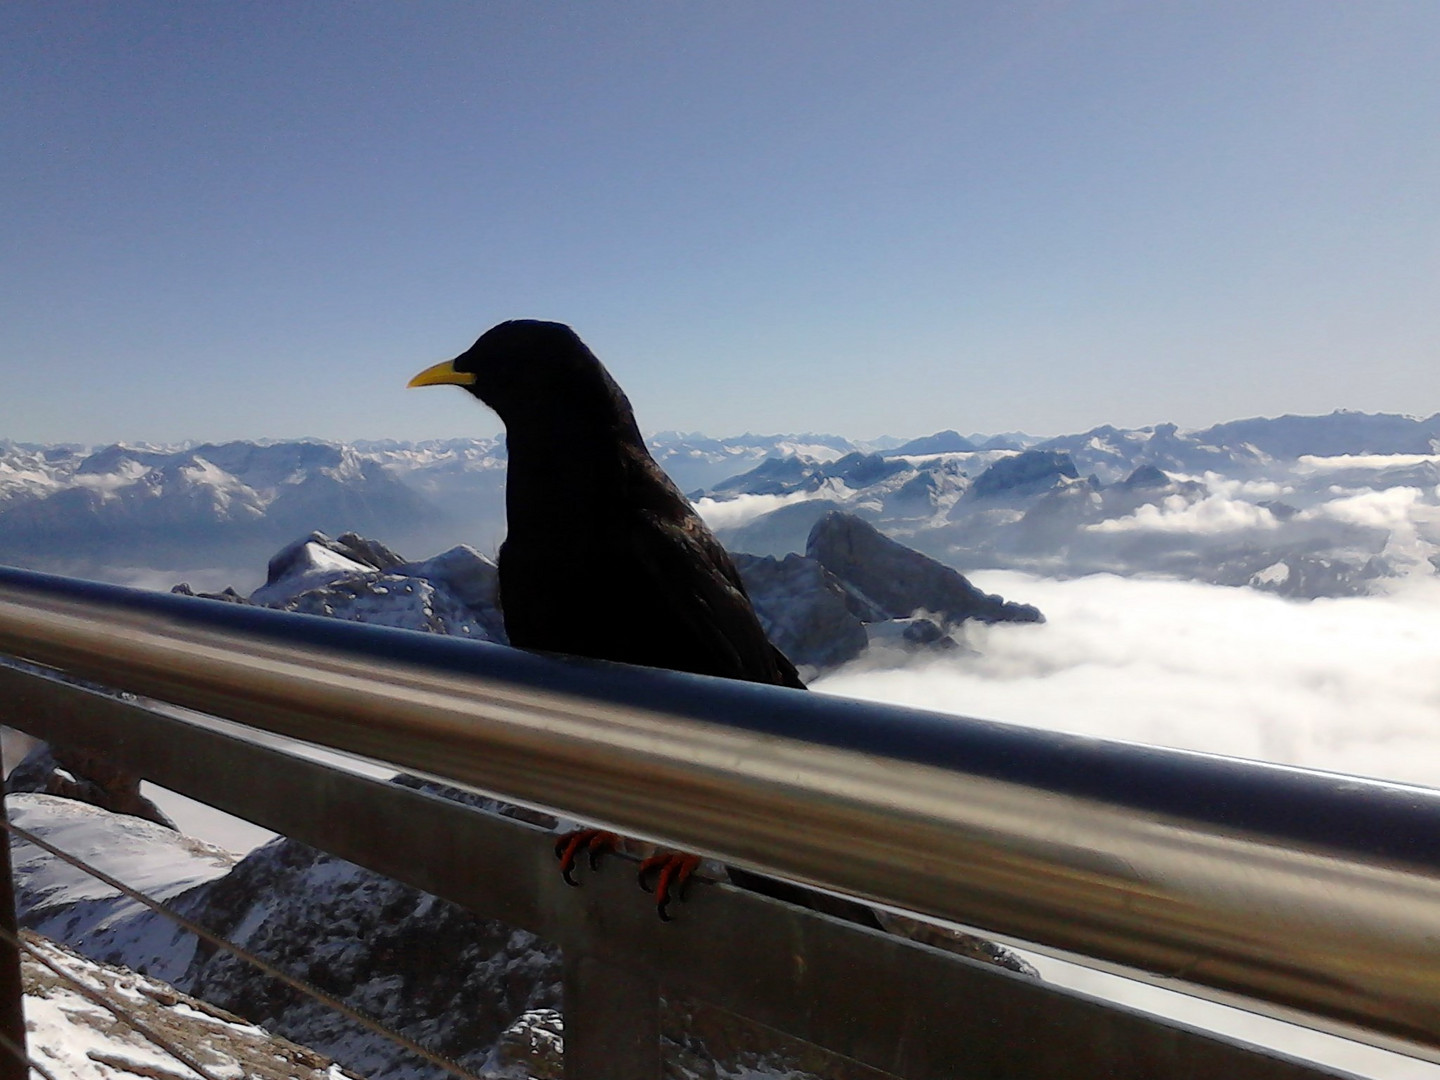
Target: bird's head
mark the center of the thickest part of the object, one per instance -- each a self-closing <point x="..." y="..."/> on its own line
<point x="519" y="367"/>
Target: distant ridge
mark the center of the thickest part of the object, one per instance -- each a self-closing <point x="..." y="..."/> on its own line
<point x="111" y="510"/>
<point x="942" y="442"/>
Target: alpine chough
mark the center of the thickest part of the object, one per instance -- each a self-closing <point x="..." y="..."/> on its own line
<point x="603" y="556"/>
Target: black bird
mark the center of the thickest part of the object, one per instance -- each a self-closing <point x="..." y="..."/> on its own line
<point x="603" y="557"/>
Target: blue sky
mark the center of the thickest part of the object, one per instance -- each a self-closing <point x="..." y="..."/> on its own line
<point x="257" y="220"/>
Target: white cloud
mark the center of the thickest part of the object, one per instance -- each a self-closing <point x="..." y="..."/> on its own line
<point x="1390" y="508"/>
<point x="1349" y="685"/>
<point x="1313" y="463"/>
<point x="1176" y="514"/>
<point x="1232" y="487"/>
<point x="1346" y="685"/>
<point x="743" y="509"/>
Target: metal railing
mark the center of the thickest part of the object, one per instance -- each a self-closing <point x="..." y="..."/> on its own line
<point x="1309" y="896"/>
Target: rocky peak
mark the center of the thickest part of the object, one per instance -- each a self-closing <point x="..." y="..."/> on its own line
<point x="862" y="470"/>
<point x="901" y="581"/>
<point x="942" y="442"/>
<point x="1146" y="476"/>
<point x="807" y="612"/>
<point x="74" y="772"/>
<point x="1027" y="473"/>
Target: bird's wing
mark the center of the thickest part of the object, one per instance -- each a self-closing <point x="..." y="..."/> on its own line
<point x="706" y="613"/>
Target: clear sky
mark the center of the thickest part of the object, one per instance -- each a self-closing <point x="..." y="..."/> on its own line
<point x="257" y="220"/>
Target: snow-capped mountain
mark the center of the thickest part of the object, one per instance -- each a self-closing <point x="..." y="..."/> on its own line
<point x="1311" y="505"/>
<point x="852" y="587"/>
<point x="90" y="511"/>
<point x="1306" y="506"/>
<point x="153" y="506"/>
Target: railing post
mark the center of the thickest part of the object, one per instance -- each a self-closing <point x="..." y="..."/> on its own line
<point x="13" y="1065"/>
<point x="612" y="1021"/>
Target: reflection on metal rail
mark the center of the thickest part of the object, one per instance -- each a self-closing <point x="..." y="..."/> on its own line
<point x="1312" y="895"/>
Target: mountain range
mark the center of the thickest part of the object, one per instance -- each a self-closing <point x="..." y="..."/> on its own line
<point x="1304" y="505"/>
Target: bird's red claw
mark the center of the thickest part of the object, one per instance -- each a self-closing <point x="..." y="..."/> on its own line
<point x="674" y="869"/>
<point x="596" y="842"/>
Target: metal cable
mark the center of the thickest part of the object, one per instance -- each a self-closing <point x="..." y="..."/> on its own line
<point x="348" y="1011"/>
<point x="125" y="1016"/>
<point x="7" y="1044"/>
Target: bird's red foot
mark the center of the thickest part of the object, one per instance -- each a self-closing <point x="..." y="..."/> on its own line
<point x="596" y="842"/>
<point x="674" y="868"/>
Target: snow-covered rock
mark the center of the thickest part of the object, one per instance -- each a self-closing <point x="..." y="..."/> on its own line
<point x="361" y="580"/>
<point x="73" y="1036"/>
<point x="79" y="773"/>
<point x="65" y="903"/>
<point x="415" y="963"/>
<point x="110" y="512"/>
<point x="1026" y="474"/>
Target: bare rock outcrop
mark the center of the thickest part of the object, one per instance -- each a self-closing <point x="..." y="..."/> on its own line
<point x="901" y="581"/>
<point x="806" y="610"/>
<point x="75" y="772"/>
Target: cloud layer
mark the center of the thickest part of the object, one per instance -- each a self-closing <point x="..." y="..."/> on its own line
<point x="1350" y="685"/>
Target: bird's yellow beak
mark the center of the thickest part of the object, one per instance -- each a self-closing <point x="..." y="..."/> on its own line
<point x="442" y="375"/>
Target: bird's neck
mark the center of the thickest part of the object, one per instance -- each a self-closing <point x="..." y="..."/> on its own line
<point x="563" y="477"/>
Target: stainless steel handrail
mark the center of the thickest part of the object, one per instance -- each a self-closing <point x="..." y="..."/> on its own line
<point x="1311" y="895"/>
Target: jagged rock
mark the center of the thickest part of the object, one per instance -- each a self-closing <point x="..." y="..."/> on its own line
<point x="1146" y="485"/>
<point x="73" y="772"/>
<point x="415" y="963"/>
<point x="913" y="635"/>
<point x="532" y="1048"/>
<point x="775" y="476"/>
<point x="420" y="965"/>
<point x="1282" y="511"/>
<point x="822" y="613"/>
<point x="780" y="532"/>
<point x="1146" y="476"/>
<point x="409" y="603"/>
<point x="917" y="497"/>
<point x="227" y="595"/>
<point x="371" y="552"/>
<point x="69" y="905"/>
<point x="311" y="562"/>
<point x="805" y="610"/>
<point x="901" y="581"/>
<point x="472" y="578"/>
<point x="1027" y="473"/>
<point x="1305" y="576"/>
<point x="362" y="581"/>
<point x="862" y="470"/>
<point x="305" y="556"/>
<point x="1058" y="513"/>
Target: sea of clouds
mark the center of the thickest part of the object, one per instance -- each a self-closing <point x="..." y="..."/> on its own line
<point x="1350" y="685"/>
<point x="1347" y="685"/>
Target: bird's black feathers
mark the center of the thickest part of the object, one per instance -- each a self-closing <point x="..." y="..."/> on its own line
<point x="604" y="557"/>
